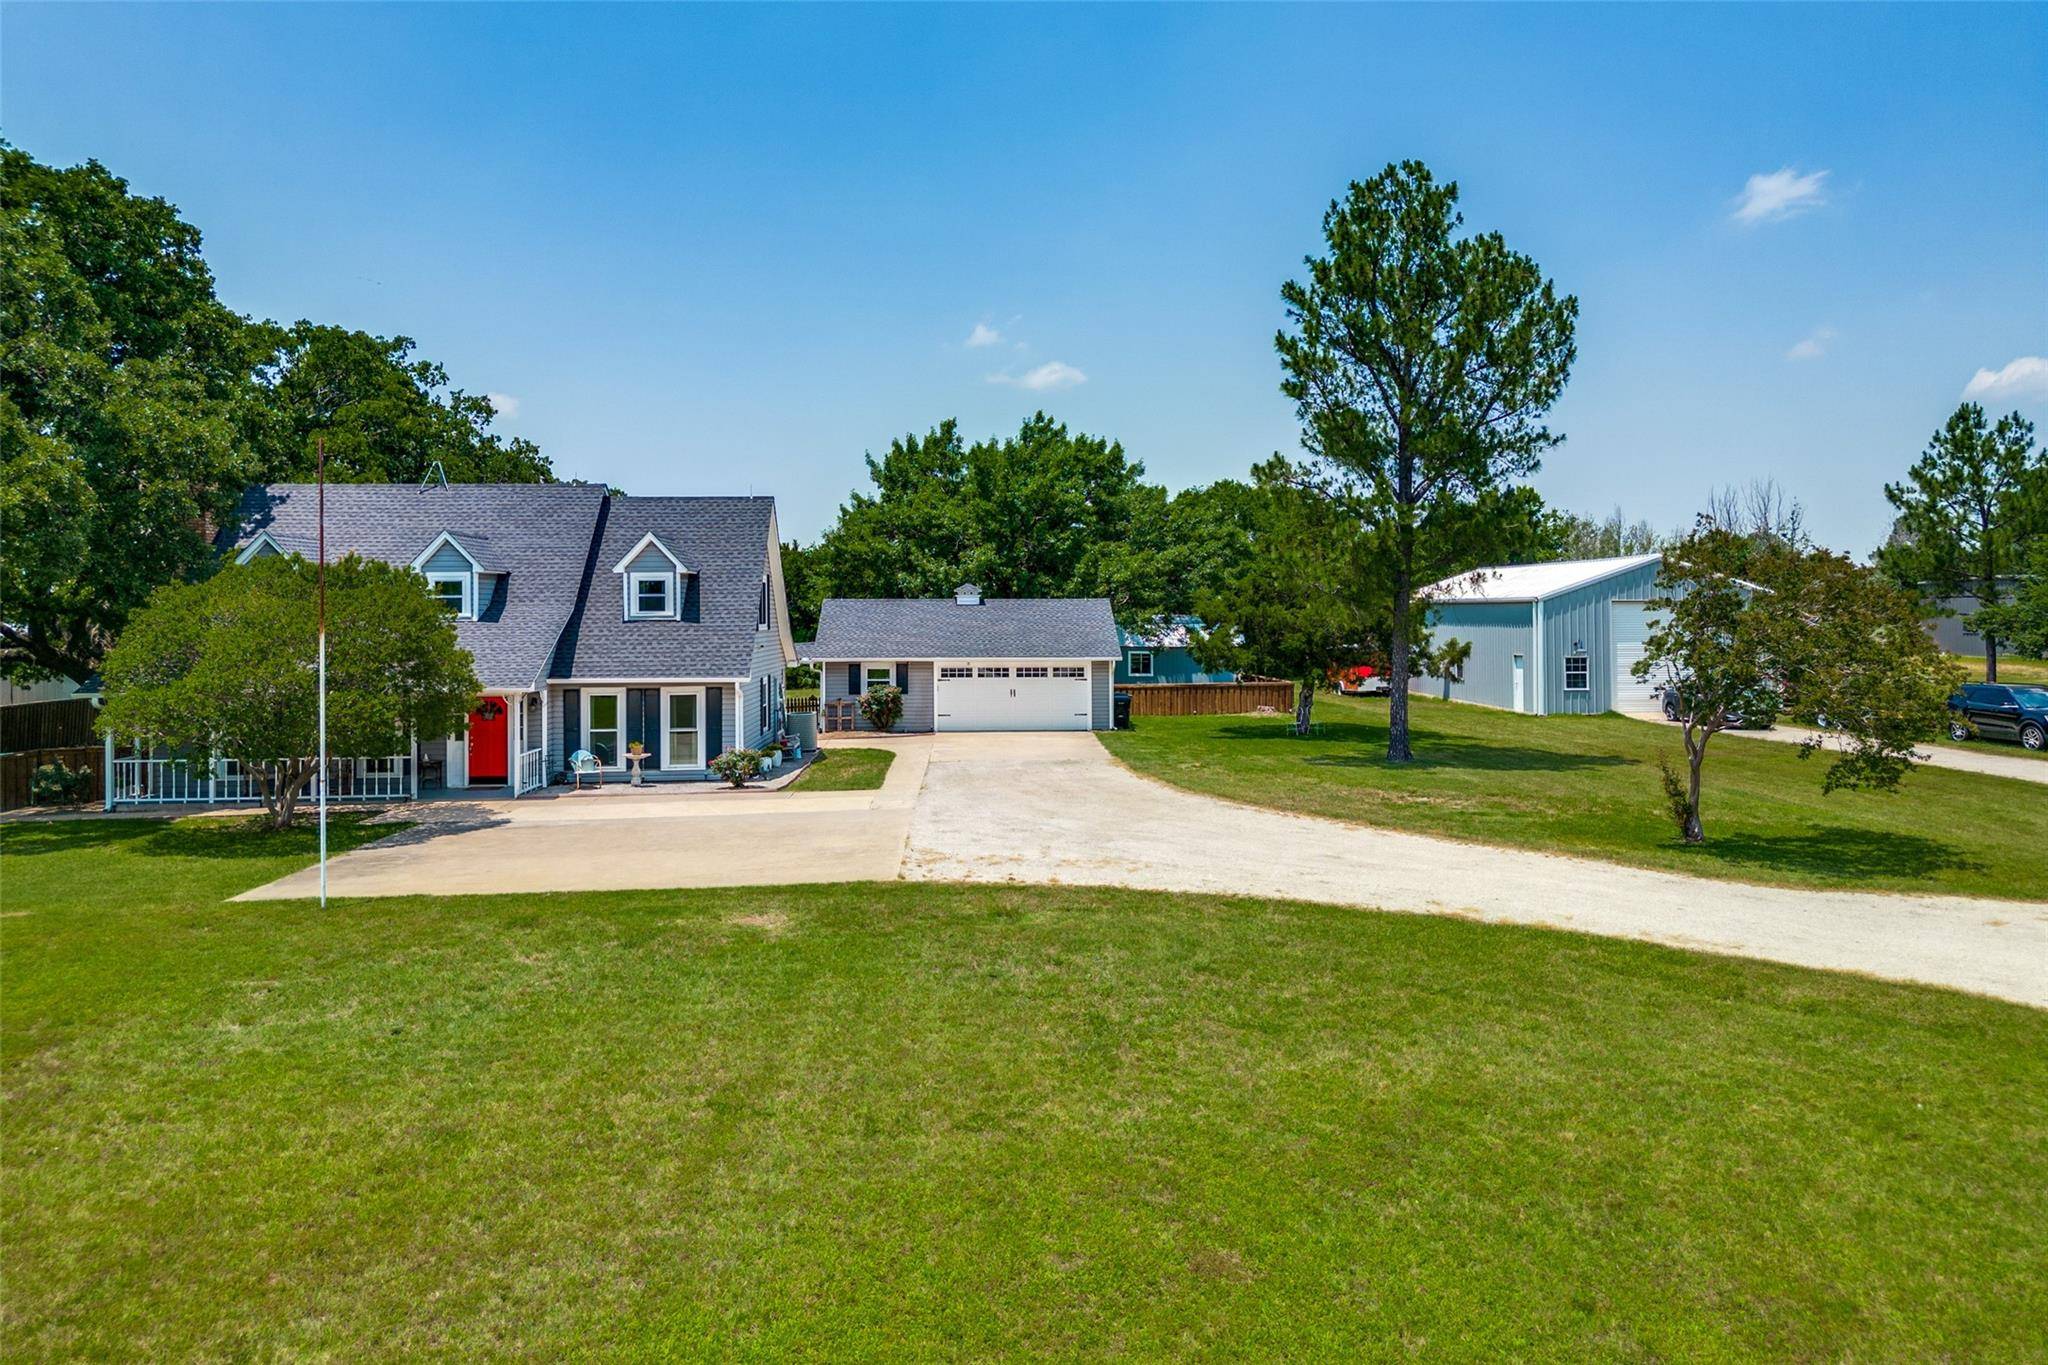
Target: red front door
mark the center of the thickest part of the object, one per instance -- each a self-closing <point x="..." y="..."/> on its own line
<point x="487" y="730"/>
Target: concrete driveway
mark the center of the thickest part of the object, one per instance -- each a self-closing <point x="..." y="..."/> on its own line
<point x="1057" y="808"/>
<point x="1982" y="756"/>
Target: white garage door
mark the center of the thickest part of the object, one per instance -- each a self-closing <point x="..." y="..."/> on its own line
<point x="1631" y="623"/>
<point x="1015" y="694"/>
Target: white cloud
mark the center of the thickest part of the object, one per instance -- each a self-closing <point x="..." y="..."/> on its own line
<point x="1780" y="194"/>
<point x="1053" y="374"/>
<point x="1813" y="346"/>
<point x="983" y="335"/>
<point x="505" y="403"/>
<point x="2026" y="377"/>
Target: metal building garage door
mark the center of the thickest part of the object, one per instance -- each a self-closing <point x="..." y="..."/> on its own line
<point x="1015" y="694"/>
<point x="1630" y="625"/>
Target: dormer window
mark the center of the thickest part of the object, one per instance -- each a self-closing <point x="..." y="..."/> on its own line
<point x="653" y="594"/>
<point x="651" y="581"/>
<point x="451" y="573"/>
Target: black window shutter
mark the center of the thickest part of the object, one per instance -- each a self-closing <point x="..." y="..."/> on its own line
<point x="572" y="720"/>
<point x="903" y="677"/>
<point x="853" y="680"/>
<point x="714" y="722"/>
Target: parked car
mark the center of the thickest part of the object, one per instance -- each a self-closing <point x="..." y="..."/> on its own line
<point x="2016" y="714"/>
<point x="1362" y="681"/>
<point x="1667" y="697"/>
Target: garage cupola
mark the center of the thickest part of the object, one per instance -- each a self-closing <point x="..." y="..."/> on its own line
<point x="967" y="595"/>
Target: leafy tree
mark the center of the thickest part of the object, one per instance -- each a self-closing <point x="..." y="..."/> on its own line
<point x="1299" y="606"/>
<point x="134" y="407"/>
<point x="2023" y="621"/>
<point x="1567" y="535"/>
<point x="1967" y="509"/>
<point x="1421" y="364"/>
<point x="1746" y="629"/>
<point x="386" y="417"/>
<point x="124" y="393"/>
<point x="803" y="580"/>
<point x="227" y="668"/>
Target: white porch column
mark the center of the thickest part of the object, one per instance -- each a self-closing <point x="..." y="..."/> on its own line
<point x="516" y="765"/>
<point x="107" y="774"/>
<point x="543" y="734"/>
<point x="412" y="749"/>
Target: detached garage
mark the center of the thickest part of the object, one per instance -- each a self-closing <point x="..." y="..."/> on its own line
<point x="1548" y="639"/>
<point x="970" y="663"/>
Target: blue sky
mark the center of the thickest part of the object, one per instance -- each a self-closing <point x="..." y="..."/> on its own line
<point x="730" y="249"/>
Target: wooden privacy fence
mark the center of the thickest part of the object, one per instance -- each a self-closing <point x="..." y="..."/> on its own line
<point x="17" y="769"/>
<point x="46" y="725"/>
<point x="1208" y="699"/>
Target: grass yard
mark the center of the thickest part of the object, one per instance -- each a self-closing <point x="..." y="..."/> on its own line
<point x="1588" y="785"/>
<point x="2012" y="668"/>
<point x="845" y="770"/>
<point x="913" y="1121"/>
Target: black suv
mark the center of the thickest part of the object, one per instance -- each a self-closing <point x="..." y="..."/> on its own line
<point x="1996" y="711"/>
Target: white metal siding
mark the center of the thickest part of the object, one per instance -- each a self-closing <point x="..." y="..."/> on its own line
<point x="1629" y="626"/>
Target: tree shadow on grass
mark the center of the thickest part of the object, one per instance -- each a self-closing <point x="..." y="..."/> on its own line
<point x="213" y="836"/>
<point x="1837" y="852"/>
<point x="1459" y="754"/>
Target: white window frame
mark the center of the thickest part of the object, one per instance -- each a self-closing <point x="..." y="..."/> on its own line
<point x="868" y="670"/>
<point x="419" y="566"/>
<point x="1131" y="663"/>
<point x="671" y="588"/>
<point x="465" y="609"/>
<point x="1585" y="664"/>
<point x="591" y="694"/>
<point x="668" y="749"/>
<point x="256" y="548"/>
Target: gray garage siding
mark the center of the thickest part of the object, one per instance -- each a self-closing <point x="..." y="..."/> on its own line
<point x="1102" y="704"/>
<point x="1584" y="616"/>
<point x="1497" y="631"/>
<point x="919" y="697"/>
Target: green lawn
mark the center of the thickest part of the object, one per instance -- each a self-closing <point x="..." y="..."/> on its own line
<point x="902" y="1121"/>
<point x="845" y="770"/>
<point x="2012" y="668"/>
<point x="1589" y="785"/>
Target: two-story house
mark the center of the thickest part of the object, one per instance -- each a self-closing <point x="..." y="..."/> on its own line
<point x="596" y="621"/>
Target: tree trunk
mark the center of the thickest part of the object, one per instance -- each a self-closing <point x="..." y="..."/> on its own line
<point x="281" y="798"/>
<point x="1304" y="704"/>
<point x="1398" y="750"/>
<point x="1695" y="756"/>
<point x="1991" y="659"/>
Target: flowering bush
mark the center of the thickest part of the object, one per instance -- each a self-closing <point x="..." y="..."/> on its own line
<point x="882" y="707"/>
<point x="736" y="766"/>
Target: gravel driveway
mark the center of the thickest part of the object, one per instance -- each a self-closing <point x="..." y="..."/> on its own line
<point x="1058" y="808"/>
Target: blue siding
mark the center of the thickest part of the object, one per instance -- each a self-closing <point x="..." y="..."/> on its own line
<point x="1579" y="621"/>
<point x="446" y="560"/>
<point x="651" y="560"/>
<point x="1168" y="666"/>
<point x="1497" y="631"/>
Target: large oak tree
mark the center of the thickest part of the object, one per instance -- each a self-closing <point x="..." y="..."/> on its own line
<point x="1422" y="363"/>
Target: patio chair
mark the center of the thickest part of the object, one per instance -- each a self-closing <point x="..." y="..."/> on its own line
<point x="584" y="762"/>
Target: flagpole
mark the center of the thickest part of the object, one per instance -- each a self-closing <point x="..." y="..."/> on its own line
<point x="320" y="514"/>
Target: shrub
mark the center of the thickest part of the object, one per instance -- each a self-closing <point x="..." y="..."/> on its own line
<point x="53" y="784"/>
<point x="736" y="766"/>
<point x="882" y="707"/>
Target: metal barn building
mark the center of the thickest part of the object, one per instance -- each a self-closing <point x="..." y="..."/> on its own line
<point x="1547" y="639"/>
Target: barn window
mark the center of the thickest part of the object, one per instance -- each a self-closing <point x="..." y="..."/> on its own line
<point x="1577" y="677"/>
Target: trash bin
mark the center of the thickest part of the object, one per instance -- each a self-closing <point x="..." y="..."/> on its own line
<point x="1122" y="710"/>
<point x="803" y="728"/>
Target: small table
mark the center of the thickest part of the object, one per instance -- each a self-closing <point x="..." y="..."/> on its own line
<point x="634" y="761"/>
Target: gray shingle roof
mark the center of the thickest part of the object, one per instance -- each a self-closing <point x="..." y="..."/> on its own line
<point x="537" y="535"/>
<point x="725" y="542"/>
<point x="940" y="628"/>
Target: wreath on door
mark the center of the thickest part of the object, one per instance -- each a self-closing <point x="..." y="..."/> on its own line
<point x="490" y="710"/>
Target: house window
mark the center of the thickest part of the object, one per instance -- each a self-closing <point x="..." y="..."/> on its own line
<point x="880" y="675"/>
<point x="1032" y="672"/>
<point x="1070" y="672"/>
<point x="452" y="593"/>
<point x="1141" y="663"/>
<point x="956" y="671"/>
<point x="991" y="672"/>
<point x="765" y="611"/>
<point x="764" y="704"/>
<point x="601" y="726"/>
<point x="683" y="729"/>
<point x="1575" y="673"/>
<point x="653" y="594"/>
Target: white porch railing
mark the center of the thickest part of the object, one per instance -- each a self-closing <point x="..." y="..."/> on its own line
<point x="530" y="775"/>
<point x="164" y="781"/>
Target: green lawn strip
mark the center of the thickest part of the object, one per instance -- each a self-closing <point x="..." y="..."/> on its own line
<point x="845" y="770"/>
<point x="2012" y="668"/>
<point x="908" y="1120"/>
<point x="1588" y="785"/>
